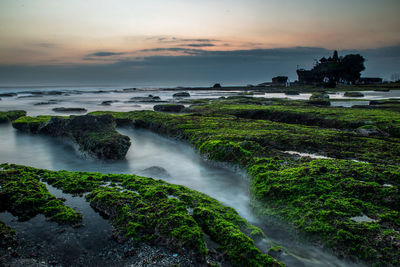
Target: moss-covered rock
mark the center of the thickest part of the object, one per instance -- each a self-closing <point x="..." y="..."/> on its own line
<point x="325" y="198"/>
<point x="169" y="107"/>
<point x="8" y="116"/>
<point x="353" y="94"/>
<point x="95" y="135"/>
<point x="148" y="210"/>
<point x="23" y="195"/>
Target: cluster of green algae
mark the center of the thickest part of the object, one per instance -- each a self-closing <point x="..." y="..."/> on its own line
<point x="151" y="210"/>
<point x="321" y="198"/>
<point x="23" y="195"/>
<point x="8" y="116"/>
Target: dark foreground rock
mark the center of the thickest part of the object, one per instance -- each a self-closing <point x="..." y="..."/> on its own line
<point x="169" y="108"/>
<point x="94" y="135"/>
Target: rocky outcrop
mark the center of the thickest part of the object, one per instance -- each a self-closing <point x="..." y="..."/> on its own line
<point x="169" y="108"/>
<point x="95" y="135"/>
<point x="156" y="171"/>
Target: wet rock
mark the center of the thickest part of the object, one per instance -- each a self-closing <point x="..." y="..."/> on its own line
<point x="144" y="99"/>
<point x="63" y="109"/>
<point x="319" y="96"/>
<point x="292" y="93"/>
<point x="95" y="135"/>
<point x="129" y="89"/>
<point x="28" y="96"/>
<point x="108" y="102"/>
<point x="50" y="102"/>
<point x="156" y="171"/>
<point x="353" y="94"/>
<point x="8" y="94"/>
<point x="169" y="108"/>
<point x="181" y="94"/>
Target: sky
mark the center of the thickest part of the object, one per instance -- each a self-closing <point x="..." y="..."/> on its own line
<point x="187" y="42"/>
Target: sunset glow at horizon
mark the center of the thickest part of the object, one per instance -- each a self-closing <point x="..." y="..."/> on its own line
<point x="79" y="33"/>
<point x="57" y="32"/>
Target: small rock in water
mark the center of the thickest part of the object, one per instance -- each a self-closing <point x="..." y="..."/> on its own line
<point x="156" y="171"/>
<point x="181" y="94"/>
<point x="69" y="109"/>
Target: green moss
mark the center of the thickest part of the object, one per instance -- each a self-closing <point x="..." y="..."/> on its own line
<point x="7" y="116"/>
<point x="25" y="196"/>
<point x="94" y="135"/>
<point x="320" y="197"/>
<point x="145" y="209"/>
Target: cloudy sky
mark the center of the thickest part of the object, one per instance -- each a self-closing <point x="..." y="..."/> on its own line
<point x="187" y="42"/>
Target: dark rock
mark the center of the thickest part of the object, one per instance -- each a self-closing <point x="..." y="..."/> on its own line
<point x="108" y="102"/>
<point x="217" y="85"/>
<point x="181" y="94"/>
<point x="353" y="94"/>
<point x="319" y="99"/>
<point x="144" y="99"/>
<point x="169" y="107"/>
<point x="156" y="171"/>
<point x="8" y="94"/>
<point x="292" y="93"/>
<point x="29" y="96"/>
<point x="62" y="109"/>
<point x="129" y="89"/>
<point x="95" y="135"/>
<point x="319" y="96"/>
<point x="54" y="93"/>
<point x="383" y="102"/>
<point x="50" y="102"/>
<point x="319" y="102"/>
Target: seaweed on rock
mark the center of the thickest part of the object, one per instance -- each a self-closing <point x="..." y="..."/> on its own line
<point x="95" y="135"/>
<point x="326" y="200"/>
<point x="8" y="116"/>
<point x="148" y="210"/>
<point x="23" y="195"/>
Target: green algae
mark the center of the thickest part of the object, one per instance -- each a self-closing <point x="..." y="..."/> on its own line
<point x="94" y="135"/>
<point x="25" y="196"/>
<point x="145" y="209"/>
<point x="260" y="137"/>
<point x="320" y="198"/>
<point x="8" y="116"/>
